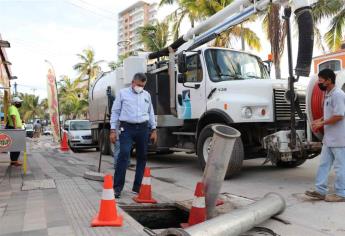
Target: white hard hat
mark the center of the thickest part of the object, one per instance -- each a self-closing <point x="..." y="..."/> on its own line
<point x="16" y="100"/>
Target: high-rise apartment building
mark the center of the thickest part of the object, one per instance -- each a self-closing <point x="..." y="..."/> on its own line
<point x="130" y="20"/>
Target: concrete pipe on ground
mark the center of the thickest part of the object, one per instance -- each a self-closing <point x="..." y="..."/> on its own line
<point x="222" y="144"/>
<point x="236" y="222"/>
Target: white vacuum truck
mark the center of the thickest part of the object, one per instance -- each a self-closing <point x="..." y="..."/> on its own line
<point x="194" y="86"/>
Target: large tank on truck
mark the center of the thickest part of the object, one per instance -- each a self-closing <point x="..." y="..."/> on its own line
<point x="101" y="95"/>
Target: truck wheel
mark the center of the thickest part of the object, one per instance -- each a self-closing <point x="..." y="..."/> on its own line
<point x="203" y="148"/>
<point x="105" y="144"/>
<point x="289" y="164"/>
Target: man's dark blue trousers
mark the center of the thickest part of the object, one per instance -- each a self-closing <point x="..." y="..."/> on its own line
<point x="131" y="133"/>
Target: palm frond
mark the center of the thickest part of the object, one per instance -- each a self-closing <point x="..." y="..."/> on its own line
<point x="318" y="39"/>
<point x="166" y="2"/>
<point x="322" y="9"/>
<point x="334" y="36"/>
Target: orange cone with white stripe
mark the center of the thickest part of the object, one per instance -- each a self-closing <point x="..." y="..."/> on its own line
<point x="145" y="193"/>
<point x="197" y="213"/>
<point x="107" y="215"/>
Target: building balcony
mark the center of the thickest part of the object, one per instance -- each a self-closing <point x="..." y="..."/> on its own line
<point x="138" y="11"/>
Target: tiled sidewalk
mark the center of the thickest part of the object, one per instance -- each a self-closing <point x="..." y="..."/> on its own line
<point x="61" y="211"/>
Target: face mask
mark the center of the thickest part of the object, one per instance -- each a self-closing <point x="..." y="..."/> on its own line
<point x="322" y="86"/>
<point x="138" y="89"/>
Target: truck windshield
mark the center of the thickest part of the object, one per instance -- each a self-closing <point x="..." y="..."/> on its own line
<point x="225" y="65"/>
<point x="80" y="125"/>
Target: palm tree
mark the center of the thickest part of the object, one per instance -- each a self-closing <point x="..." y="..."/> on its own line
<point x="186" y="8"/>
<point x="67" y="86"/>
<point x="202" y="9"/>
<point x="154" y="36"/>
<point x="88" y="66"/>
<point x="44" y="105"/>
<point x="74" y="107"/>
<point x="336" y="9"/>
<point x="72" y="97"/>
<point x="115" y="64"/>
<point x="31" y="106"/>
<point x="275" y="28"/>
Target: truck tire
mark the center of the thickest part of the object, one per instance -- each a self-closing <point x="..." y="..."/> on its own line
<point x="289" y="164"/>
<point x="105" y="144"/>
<point x="236" y="160"/>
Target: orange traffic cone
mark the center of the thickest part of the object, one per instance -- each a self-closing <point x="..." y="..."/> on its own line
<point x="197" y="213"/>
<point x="107" y="215"/>
<point x="145" y="195"/>
<point x="64" y="143"/>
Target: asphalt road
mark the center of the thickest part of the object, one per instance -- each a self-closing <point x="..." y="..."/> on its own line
<point x="181" y="172"/>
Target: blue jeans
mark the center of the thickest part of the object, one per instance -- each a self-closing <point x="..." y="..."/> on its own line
<point x="117" y="152"/>
<point x="330" y="155"/>
<point x="138" y="133"/>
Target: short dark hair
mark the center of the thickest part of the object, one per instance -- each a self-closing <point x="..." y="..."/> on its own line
<point x="140" y="76"/>
<point x="327" y="74"/>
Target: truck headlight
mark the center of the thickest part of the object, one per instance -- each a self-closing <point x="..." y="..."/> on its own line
<point x="76" y="137"/>
<point x="247" y="112"/>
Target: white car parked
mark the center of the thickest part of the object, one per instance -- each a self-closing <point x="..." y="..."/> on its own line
<point x="79" y="134"/>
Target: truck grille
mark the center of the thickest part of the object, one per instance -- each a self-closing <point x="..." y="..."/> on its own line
<point x="282" y="108"/>
<point x="86" y="137"/>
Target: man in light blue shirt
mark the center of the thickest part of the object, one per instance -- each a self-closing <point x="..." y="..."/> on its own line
<point x="132" y="115"/>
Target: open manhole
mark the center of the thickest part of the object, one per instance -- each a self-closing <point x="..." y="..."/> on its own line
<point x="158" y="216"/>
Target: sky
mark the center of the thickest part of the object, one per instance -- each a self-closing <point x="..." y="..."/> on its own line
<point x="56" y="30"/>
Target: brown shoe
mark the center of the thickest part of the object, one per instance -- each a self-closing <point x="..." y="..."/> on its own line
<point x="315" y="194"/>
<point x="17" y="163"/>
<point x="334" y="198"/>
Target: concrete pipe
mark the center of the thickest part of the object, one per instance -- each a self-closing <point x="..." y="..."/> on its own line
<point x="236" y="222"/>
<point x="222" y="144"/>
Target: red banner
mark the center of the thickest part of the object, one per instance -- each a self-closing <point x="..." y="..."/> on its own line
<point x="53" y="104"/>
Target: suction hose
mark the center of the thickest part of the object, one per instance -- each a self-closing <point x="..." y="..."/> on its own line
<point x="306" y="40"/>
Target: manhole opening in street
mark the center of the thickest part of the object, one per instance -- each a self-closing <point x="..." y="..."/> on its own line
<point x="158" y="216"/>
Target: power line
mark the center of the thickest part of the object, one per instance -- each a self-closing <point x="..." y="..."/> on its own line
<point x="31" y="87"/>
<point x="95" y="13"/>
<point x="99" y="8"/>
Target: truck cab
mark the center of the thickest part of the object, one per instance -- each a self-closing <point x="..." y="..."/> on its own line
<point x="220" y="85"/>
<point x="216" y="77"/>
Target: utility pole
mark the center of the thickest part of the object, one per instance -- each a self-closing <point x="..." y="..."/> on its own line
<point x="15" y="88"/>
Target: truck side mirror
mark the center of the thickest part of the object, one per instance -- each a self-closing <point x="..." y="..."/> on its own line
<point x="268" y="68"/>
<point x="181" y="78"/>
<point x="182" y="63"/>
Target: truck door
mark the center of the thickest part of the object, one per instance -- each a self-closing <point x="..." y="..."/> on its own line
<point x="191" y="96"/>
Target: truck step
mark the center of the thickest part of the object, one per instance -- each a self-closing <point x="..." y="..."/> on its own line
<point x="187" y="150"/>
<point x="184" y="133"/>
